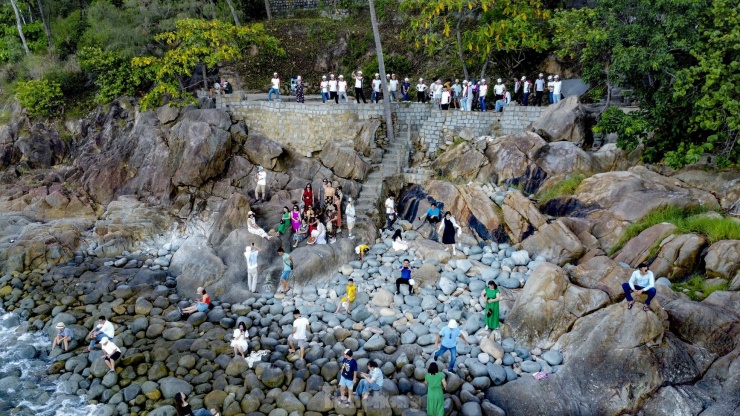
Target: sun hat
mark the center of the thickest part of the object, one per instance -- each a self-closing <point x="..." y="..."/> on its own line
<point x="421" y="79"/>
<point x="549" y="77"/>
<point x="323" y="77"/>
<point x="60" y="325"/>
<point x="250" y="213"/>
<point x="541" y="74"/>
<point x="452" y="324"/>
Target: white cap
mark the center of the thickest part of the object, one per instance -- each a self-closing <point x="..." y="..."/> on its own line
<point x="331" y="75"/>
<point x="421" y="79"/>
<point x="541" y="74"/>
<point x="457" y="80"/>
<point x="524" y="77"/>
<point x="452" y="324"/>
<point x="406" y="79"/>
<point x="483" y="80"/>
<point x="557" y="76"/>
<point x="250" y="213"/>
<point x="359" y="72"/>
<point x="499" y="80"/>
<point x="323" y="77"/>
<point x="341" y="76"/>
<point x="549" y="77"/>
<point x="377" y="74"/>
<point x="465" y="81"/>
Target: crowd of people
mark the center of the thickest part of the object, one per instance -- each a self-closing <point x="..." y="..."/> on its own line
<point x="468" y="95"/>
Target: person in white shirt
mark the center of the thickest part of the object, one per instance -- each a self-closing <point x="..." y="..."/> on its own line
<point x="456" y="91"/>
<point x="357" y="76"/>
<point x="333" y="89"/>
<point x="444" y="102"/>
<point x="274" y="87"/>
<point x="324" y="85"/>
<point x="351" y="218"/>
<point x="517" y="89"/>
<point x="377" y="84"/>
<point x="421" y="88"/>
<point x="393" y="87"/>
<point x="557" y="86"/>
<point x="436" y="91"/>
<point x="298" y="336"/>
<point x="498" y="89"/>
<point x="342" y="90"/>
<point x="261" y="184"/>
<point x="500" y="104"/>
<point x="539" y="90"/>
<point x="464" y="96"/>
<point x="104" y="329"/>
<point x="373" y="380"/>
<point x="390" y="211"/>
<point x="482" y="92"/>
<point x="251" y="253"/>
<point x="641" y="281"/>
<point x="526" y="89"/>
<point x="111" y="353"/>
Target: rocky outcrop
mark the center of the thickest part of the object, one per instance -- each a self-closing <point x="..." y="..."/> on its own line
<point x="344" y="161"/>
<point x="562" y="122"/>
<point x="125" y="223"/>
<point x="722" y="259"/>
<point x="511" y="158"/>
<point x="556" y="243"/>
<point x="232" y="216"/>
<point x="460" y="162"/>
<point x="678" y="256"/>
<point x="521" y="216"/>
<point x="638" y="249"/>
<point x="601" y="273"/>
<point x="263" y="152"/>
<point x="469" y="204"/>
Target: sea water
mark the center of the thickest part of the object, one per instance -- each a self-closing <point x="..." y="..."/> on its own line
<point x="25" y="387"/>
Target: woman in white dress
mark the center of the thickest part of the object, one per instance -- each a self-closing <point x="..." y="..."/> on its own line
<point x="255" y="229"/>
<point x="318" y="236"/>
<point x="239" y="342"/>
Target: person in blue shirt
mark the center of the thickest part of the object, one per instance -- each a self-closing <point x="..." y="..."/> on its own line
<point x="347" y="376"/>
<point x="432" y="217"/>
<point x="405" y="278"/>
<point x="405" y="86"/>
<point x="641" y="281"/>
<point x="448" y="335"/>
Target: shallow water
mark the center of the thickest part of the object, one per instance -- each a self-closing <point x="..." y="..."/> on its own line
<point x="25" y="388"/>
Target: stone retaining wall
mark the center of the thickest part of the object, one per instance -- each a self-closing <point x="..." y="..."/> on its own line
<point x="307" y="127"/>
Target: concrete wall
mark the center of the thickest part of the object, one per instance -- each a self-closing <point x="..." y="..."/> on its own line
<point x="307" y="127"/>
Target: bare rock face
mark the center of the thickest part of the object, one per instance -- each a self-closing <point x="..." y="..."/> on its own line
<point x="678" y="255"/>
<point x="127" y="221"/>
<point x="200" y="145"/>
<point x="549" y="305"/>
<point x="521" y="216"/>
<point x="601" y="273"/>
<point x="722" y="259"/>
<point x="556" y="243"/>
<point x="40" y="147"/>
<point x="262" y="151"/>
<point x="512" y="157"/>
<point x="562" y="122"/>
<point x="637" y="250"/>
<point x="460" y="162"/>
<point x="469" y="204"/>
<point x="231" y="216"/>
<point x="344" y="161"/>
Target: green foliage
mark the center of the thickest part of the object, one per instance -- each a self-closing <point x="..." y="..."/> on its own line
<point x="697" y="288"/>
<point x="66" y="33"/>
<point x="40" y="97"/>
<point x="113" y="74"/>
<point x="631" y="128"/>
<point x="562" y="188"/>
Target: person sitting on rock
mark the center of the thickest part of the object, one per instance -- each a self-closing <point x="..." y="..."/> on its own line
<point x="373" y="380"/>
<point x="361" y="250"/>
<point x="287" y="270"/>
<point x="112" y="353"/>
<point x="641" y="281"/>
<point x="298" y="336"/>
<point x="399" y="244"/>
<point x="104" y="329"/>
<point x="351" y="295"/>
<point x="449" y="335"/>
<point x="318" y="236"/>
<point x="239" y="340"/>
<point x="301" y="233"/>
<point x="64" y="335"/>
<point x="201" y="305"/>
<point x="255" y="229"/>
<point x="182" y="407"/>
<point x="347" y="376"/>
<point x="405" y="278"/>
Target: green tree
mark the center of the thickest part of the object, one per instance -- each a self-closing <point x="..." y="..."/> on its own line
<point x="480" y="27"/>
<point x="196" y="42"/>
<point x="112" y="73"/>
<point x="40" y="97"/>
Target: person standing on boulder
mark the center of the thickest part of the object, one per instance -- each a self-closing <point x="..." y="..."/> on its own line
<point x="347" y="377"/>
<point x="251" y="253"/>
<point x="261" y="184"/>
<point x="307" y="197"/>
<point x="287" y="270"/>
<point x="641" y="281"/>
<point x="492" y="295"/>
<point x="448" y="335"/>
<point x="436" y="390"/>
<point x="104" y="329"/>
<point x="448" y="227"/>
<point x="298" y="336"/>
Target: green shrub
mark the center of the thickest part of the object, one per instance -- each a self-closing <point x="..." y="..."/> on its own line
<point x="566" y="187"/>
<point x="40" y="97"/>
<point x="697" y="289"/>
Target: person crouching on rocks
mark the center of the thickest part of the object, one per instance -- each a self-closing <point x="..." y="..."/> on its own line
<point x="361" y="250"/>
<point x="239" y="340"/>
<point x="201" y="305"/>
<point x="182" y="407"/>
<point x="373" y="380"/>
<point x="641" y="281"/>
<point x="351" y="295"/>
<point x="104" y="329"/>
<point x="405" y="278"/>
<point x="112" y="353"/>
<point x="64" y="335"/>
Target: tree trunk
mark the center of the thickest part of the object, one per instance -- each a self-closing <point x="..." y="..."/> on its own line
<point x="233" y="12"/>
<point x="20" y="26"/>
<point x="485" y="64"/>
<point x="205" y="77"/>
<point x="459" y="48"/>
<point x="47" y="28"/>
<point x="267" y="8"/>
<point x="381" y="67"/>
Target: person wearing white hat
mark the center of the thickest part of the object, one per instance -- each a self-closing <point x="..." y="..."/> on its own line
<point x="421" y="88"/>
<point x="498" y="89"/>
<point x="359" y="93"/>
<point x="539" y="89"/>
<point x="64" y="335"/>
<point x="112" y="353"/>
<point x="324" y="85"/>
<point x="349" y="210"/>
<point x="482" y="92"/>
<point x="549" y="88"/>
<point x="393" y="88"/>
<point x="342" y="90"/>
<point x="255" y="229"/>
<point x="333" y="89"/>
<point x="405" y="87"/>
<point x="274" y="87"/>
<point x="526" y="89"/>
<point x="557" y="86"/>
<point x="377" y="86"/>
<point x="261" y="184"/>
<point x="448" y="335"/>
<point x="436" y="91"/>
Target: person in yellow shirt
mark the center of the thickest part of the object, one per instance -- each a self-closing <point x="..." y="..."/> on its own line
<point x="361" y="250"/>
<point x="351" y="295"/>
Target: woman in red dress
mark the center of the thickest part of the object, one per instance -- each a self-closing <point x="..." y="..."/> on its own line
<point x="307" y="197"/>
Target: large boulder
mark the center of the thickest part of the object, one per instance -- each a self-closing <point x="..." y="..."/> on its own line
<point x="126" y="222"/>
<point x="263" y="152"/>
<point x="722" y="259"/>
<point x="231" y="216"/>
<point x="562" y="122"/>
<point x="344" y="161"/>
<point x="521" y="216"/>
<point x="601" y="273"/>
<point x="678" y="255"/>
<point x="549" y="305"/>
<point x="470" y="205"/>
<point x="460" y="162"/>
<point x="196" y="264"/>
<point x="512" y="159"/>
<point x="40" y="147"/>
<point x="556" y="243"/>
<point x="638" y="249"/>
<point x="200" y="145"/>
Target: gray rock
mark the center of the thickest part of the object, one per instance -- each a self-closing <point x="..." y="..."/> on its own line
<point x="530" y="366"/>
<point x="471" y="409"/>
<point x="446" y="285"/>
<point x="375" y="343"/>
<point x="553" y="357"/>
<point x="170" y="386"/>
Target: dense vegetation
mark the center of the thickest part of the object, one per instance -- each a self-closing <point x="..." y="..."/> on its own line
<point x="678" y="57"/>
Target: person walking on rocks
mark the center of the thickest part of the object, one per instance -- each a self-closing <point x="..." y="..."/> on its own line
<point x="261" y="184"/>
<point x="183" y="408"/>
<point x="255" y="229"/>
<point x="373" y="380"/>
<point x="239" y="340"/>
<point x="64" y="335"/>
<point x="351" y="296"/>
<point x="251" y="253"/>
<point x="492" y="295"/>
<point x="641" y="281"/>
<point x="307" y="197"/>
<point x="274" y="87"/>
<point x="347" y="377"/>
<point x="299" y="86"/>
<point x="104" y="329"/>
<point x="201" y="305"/>
<point x="448" y="335"/>
<point x="284" y="221"/>
<point x="298" y="336"/>
<point x="287" y="270"/>
<point x="351" y="218"/>
<point x="390" y="211"/>
<point x="111" y="353"/>
<point x="342" y="90"/>
<point x="405" y="278"/>
<point x="448" y="228"/>
<point x="435" y="391"/>
<point x="357" y="76"/>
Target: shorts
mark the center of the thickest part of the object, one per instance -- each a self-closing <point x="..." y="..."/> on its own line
<point x="201" y="307"/>
<point x="301" y="343"/>
<point x="344" y="299"/>
<point x="350" y="220"/>
<point x="113" y="356"/>
<point x="285" y="274"/>
<point x="260" y="188"/>
<point x="343" y="382"/>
